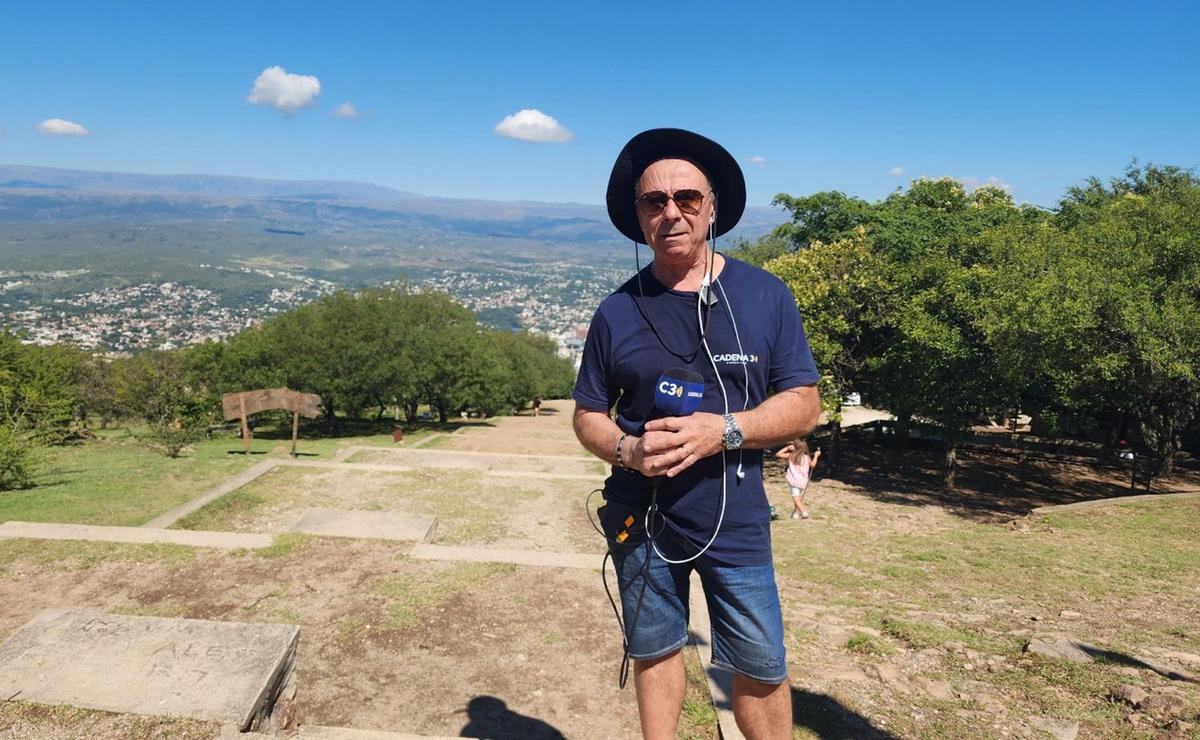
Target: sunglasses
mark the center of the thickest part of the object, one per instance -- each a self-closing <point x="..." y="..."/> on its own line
<point x="655" y="201"/>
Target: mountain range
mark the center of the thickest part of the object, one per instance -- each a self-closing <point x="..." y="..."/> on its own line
<point x="35" y="193"/>
<point x="78" y="246"/>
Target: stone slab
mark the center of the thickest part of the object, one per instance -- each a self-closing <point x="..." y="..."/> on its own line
<point x="473" y="464"/>
<point x="425" y="440"/>
<point x="720" y="681"/>
<point x="500" y="464"/>
<point x="330" y="465"/>
<point x="219" y="671"/>
<point x="474" y="453"/>
<point x="231" y="484"/>
<point x="594" y="477"/>
<point x="316" y="732"/>
<point x="517" y="557"/>
<point x="380" y="525"/>
<point x="134" y="535"/>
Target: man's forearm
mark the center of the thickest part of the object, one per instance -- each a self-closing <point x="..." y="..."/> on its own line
<point x="597" y="433"/>
<point x="673" y="444"/>
<point x="781" y="418"/>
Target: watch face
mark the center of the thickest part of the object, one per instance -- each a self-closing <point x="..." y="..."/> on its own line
<point x="733" y="434"/>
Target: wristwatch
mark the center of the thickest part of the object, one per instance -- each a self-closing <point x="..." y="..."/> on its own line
<point x="733" y="437"/>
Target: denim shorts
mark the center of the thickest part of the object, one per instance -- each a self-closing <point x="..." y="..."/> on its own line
<point x="743" y="607"/>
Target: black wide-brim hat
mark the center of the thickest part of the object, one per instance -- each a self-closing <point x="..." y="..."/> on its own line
<point x="664" y="143"/>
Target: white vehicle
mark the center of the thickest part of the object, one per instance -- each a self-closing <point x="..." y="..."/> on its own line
<point x="852" y="399"/>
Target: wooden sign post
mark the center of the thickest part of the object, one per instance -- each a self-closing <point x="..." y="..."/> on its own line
<point x="242" y="405"/>
<point x="245" y="424"/>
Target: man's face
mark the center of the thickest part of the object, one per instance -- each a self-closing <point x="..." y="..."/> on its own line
<point x="673" y="235"/>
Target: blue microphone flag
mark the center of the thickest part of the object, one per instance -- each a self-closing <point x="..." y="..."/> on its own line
<point x="679" y="392"/>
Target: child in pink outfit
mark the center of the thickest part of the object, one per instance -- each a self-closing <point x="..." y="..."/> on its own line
<point x="799" y="472"/>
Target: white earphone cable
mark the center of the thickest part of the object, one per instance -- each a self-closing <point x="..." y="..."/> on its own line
<point x="701" y="298"/>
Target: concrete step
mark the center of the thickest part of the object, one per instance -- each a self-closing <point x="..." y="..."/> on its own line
<point x="720" y="681"/>
<point x="133" y="535"/>
<point x="379" y="525"/>
<point x="231" y="484"/>
<point x="314" y="732"/>
<point x="517" y="557"/>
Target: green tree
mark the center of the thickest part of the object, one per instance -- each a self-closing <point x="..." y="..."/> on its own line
<point x="154" y="386"/>
<point x="903" y="290"/>
<point x="97" y="395"/>
<point x="1126" y="260"/>
<point x="39" y="394"/>
<point x="846" y="293"/>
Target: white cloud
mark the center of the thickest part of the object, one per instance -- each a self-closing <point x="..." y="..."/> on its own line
<point x="997" y="182"/>
<point x="59" y="127"/>
<point x="896" y="171"/>
<point x="346" y="110"/>
<point x="974" y="183"/>
<point x="760" y="161"/>
<point x="284" y="91"/>
<point x="533" y="125"/>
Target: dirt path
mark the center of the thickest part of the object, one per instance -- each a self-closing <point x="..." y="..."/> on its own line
<point x="547" y="434"/>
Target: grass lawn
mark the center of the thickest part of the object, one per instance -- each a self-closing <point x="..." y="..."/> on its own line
<point x="117" y="480"/>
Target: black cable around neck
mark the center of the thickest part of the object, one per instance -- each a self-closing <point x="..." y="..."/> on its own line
<point x="640" y="299"/>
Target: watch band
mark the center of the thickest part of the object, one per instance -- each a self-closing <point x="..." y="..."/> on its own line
<point x="733" y="437"/>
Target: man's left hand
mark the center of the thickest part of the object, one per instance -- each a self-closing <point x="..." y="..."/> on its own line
<point x="681" y="441"/>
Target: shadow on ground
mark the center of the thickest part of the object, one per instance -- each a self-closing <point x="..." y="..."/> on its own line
<point x="490" y="717"/>
<point x="829" y="719"/>
<point x="993" y="485"/>
<point x="1111" y="656"/>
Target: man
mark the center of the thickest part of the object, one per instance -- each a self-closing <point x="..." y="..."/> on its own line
<point x="699" y="476"/>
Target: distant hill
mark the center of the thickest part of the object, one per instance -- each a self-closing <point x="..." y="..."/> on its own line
<point x="19" y="176"/>
<point x="125" y="261"/>
<point x="28" y="191"/>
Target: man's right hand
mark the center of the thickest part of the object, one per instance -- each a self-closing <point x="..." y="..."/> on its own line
<point x="659" y="452"/>
<point x="648" y="463"/>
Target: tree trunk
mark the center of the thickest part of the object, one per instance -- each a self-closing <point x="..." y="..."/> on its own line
<point x="903" y="427"/>
<point x="441" y="409"/>
<point x="898" y="442"/>
<point x="835" y="447"/>
<point x="330" y="417"/>
<point x="950" y="471"/>
<point x="1165" y="455"/>
<point x="382" y="410"/>
<point x="410" y="411"/>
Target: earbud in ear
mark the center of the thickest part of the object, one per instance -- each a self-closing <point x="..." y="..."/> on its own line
<point x="713" y="218"/>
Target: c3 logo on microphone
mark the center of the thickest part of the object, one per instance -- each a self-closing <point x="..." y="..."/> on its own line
<point x="670" y="389"/>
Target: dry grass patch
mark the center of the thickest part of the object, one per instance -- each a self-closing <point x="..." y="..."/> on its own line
<point x="408" y="598"/>
<point x="73" y="555"/>
<point x="19" y="719"/>
<point x="920" y="596"/>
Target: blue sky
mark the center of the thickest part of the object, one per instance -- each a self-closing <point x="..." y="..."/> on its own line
<point x="858" y="98"/>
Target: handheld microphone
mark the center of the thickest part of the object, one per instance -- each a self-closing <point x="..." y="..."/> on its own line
<point x="679" y="392"/>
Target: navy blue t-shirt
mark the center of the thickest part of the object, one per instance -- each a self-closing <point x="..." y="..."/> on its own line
<point x="623" y="359"/>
